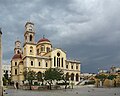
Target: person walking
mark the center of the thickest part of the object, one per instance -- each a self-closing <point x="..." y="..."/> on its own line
<point x="17" y="85"/>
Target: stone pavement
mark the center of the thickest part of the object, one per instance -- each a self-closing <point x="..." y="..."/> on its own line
<point x="78" y="91"/>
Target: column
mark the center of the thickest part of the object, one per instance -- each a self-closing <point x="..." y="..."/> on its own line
<point x="1" y="84"/>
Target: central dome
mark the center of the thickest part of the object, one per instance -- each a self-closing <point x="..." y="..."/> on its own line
<point x="17" y="56"/>
<point x="44" y="40"/>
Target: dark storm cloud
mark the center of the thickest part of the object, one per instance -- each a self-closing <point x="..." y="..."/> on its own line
<point x="89" y="30"/>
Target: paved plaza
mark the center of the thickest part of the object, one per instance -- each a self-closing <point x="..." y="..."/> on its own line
<point x="77" y="91"/>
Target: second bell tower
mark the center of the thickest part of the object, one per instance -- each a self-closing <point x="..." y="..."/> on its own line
<point x="29" y="32"/>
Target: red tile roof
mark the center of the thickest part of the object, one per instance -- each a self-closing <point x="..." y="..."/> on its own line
<point x="17" y="56"/>
<point x="43" y="39"/>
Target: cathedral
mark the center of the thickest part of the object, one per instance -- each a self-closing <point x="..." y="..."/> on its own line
<point x="39" y="56"/>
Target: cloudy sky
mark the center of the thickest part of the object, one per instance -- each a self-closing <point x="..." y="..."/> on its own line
<point x="89" y="30"/>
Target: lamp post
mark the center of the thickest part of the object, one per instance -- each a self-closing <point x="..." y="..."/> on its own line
<point x="1" y="84"/>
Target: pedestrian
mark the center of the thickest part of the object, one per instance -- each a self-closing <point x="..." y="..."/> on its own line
<point x="72" y="84"/>
<point x="17" y="85"/>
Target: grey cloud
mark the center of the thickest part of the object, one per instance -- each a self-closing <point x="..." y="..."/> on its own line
<point x="87" y="29"/>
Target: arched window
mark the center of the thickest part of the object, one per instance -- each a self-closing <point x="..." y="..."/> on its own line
<point x="31" y="49"/>
<point x="54" y="61"/>
<point x="67" y="66"/>
<point x="59" y="62"/>
<point x="15" y="71"/>
<point x="48" y="49"/>
<point x="31" y="63"/>
<point x="46" y="64"/>
<point x="67" y="76"/>
<point x="76" y="66"/>
<point x="77" y="77"/>
<point x="58" y="59"/>
<point x="42" y="48"/>
<point x="71" y="66"/>
<point x="15" y="63"/>
<point x="39" y="63"/>
<point x="62" y="61"/>
<point x="72" y="77"/>
<point x="30" y="37"/>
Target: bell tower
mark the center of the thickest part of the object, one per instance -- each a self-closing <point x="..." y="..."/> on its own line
<point x="17" y="49"/>
<point x="29" y="32"/>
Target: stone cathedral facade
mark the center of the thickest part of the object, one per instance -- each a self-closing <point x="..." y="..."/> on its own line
<point x="39" y="56"/>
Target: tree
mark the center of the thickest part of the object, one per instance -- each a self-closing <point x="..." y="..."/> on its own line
<point x="66" y="78"/>
<point x="5" y="78"/>
<point x="30" y="76"/>
<point x="4" y="81"/>
<point x="102" y="77"/>
<point x="112" y="77"/>
<point x="53" y="74"/>
<point x="39" y="77"/>
<point x="6" y="75"/>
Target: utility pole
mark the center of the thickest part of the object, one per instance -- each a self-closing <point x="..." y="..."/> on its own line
<point x="1" y="84"/>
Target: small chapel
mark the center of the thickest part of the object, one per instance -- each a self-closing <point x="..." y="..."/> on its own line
<point x="39" y="56"/>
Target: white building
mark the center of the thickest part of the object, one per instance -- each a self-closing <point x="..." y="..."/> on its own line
<point x="6" y="68"/>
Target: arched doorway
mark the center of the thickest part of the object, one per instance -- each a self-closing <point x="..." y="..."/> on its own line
<point x="77" y="77"/>
<point x="67" y="76"/>
<point x="72" y="77"/>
